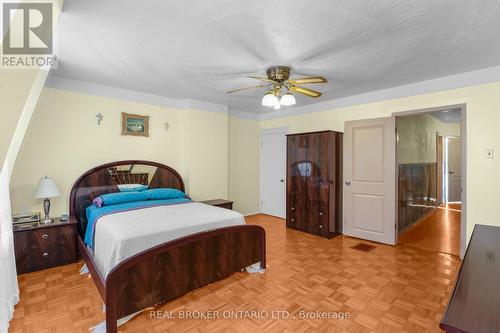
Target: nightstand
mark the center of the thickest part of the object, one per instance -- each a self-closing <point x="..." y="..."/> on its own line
<point x="39" y="245"/>
<point x="219" y="203"/>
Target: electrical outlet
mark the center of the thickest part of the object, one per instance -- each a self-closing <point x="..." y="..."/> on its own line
<point x="489" y="153"/>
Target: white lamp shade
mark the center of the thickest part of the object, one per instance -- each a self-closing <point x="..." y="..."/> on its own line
<point x="287" y="100"/>
<point x="269" y="99"/>
<point x="46" y="188"/>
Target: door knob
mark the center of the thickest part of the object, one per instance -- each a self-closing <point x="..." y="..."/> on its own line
<point x="282" y="180"/>
<point x="348" y="183"/>
<point x="451" y="172"/>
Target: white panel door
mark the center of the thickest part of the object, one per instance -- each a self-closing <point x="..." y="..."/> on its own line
<point x="272" y="199"/>
<point x="370" y="179"/>
<point x="454" y="161"/>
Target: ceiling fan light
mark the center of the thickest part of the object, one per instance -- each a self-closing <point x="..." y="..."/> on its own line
<point x="287" y="100"/>
<point x="277" y="104"/>
<point x="269" y="100"/>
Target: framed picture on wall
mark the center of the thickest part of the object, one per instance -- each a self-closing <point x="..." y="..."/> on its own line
<point x="134" y="124"/>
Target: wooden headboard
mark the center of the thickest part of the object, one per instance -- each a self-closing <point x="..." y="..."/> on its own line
<point x="103" y="179"/>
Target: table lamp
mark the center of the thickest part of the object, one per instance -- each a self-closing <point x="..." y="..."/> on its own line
<point x="46" y="189"/>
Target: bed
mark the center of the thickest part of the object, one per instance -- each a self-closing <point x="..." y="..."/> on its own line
<point x="183" y="245"/>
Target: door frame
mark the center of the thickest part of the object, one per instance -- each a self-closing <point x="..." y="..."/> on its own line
<point x="277" y="130"/>
<point x="446" y="183"/>
<point x="463" y="135"/>
<point x="442" y="171"/>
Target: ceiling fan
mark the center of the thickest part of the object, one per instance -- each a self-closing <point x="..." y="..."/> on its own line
<point x="279" y="87"/>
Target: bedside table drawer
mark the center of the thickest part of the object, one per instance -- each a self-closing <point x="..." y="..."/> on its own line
<point x="43" y="248"/>
<point x="43" y="259"/>
<point x="219" y="203"/>
<point x="226" y="205"/>
<point x="45" y="238"/>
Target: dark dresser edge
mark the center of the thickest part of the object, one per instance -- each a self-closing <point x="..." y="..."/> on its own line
<point x="444" y="324"/>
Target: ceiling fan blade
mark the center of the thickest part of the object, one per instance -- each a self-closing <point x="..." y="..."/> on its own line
<point x="305" y="91"/>
<point x="262" y="79"/>
<point x="241" y="89"/>
<point x="305" y="80"/>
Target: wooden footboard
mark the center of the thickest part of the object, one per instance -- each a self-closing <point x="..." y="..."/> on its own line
<point x="168" y="270"/>
<point x="174" y="268"/>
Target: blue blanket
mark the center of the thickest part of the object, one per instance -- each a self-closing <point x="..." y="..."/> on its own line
<point x="94" y="213"/>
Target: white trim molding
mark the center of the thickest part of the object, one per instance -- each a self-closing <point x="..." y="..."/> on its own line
<point x="205" y="106"/>
<point x="112" y="92"/>
<point x="478" y="77"/>
<point x="482" y="76"/>
<point x="95" y="89"/>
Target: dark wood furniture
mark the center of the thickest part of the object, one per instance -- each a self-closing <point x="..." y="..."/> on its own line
<point x="168" y="270"/>
<point x="39" y="246"/>
<point x="314" y="183"/>
<point x="219" y="203"/>
<point x="417" y="193"/>
<point x="474" y="305"/>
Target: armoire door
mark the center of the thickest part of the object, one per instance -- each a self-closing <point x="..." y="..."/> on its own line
<point x="297" y="169"/>
<point x="317" y="184"/>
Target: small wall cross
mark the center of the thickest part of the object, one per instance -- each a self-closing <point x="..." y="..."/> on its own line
<point x="99" y="117"/>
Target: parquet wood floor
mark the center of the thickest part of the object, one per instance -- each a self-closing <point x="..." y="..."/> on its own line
<point x="389" y="289"/>
<point x="440" y="231"/>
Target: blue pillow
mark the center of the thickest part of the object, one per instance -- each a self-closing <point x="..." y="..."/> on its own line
<point x="164" y="193"/>
<point x="123" y="197"/>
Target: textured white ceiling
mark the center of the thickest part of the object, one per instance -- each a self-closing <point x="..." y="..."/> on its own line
<point x="452" y="116"/>
<point x="199" y="49"/>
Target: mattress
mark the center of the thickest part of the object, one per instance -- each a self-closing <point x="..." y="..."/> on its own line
<point x="120" y="235"/>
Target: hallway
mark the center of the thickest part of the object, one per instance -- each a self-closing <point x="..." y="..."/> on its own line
<point x="440" y="231"/>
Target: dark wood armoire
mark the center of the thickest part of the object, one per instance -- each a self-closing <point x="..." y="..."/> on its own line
<point x="314" y="183"/>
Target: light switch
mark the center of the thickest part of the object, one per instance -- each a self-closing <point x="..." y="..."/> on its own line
<point x="489" y="153"/>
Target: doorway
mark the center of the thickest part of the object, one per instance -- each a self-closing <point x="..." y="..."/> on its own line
<point x="429" y="164"/>
<point x="272" y="172"/>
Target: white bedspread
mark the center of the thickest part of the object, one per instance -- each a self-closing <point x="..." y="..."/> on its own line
<point x="121" y="235"/>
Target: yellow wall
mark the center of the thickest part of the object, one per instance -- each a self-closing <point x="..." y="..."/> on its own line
<point x="244" y="165"/>
<point x="205" y="154"/>
<point x="483" y="116"/>
<point x="219" y="156"/>
<point x="19" y="93"/>
<point x="64" y="140"/>
<point x="15" y="86"/>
